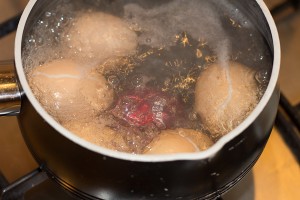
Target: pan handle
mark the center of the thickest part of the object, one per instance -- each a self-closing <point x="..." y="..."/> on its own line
<point x="10" y="92"/>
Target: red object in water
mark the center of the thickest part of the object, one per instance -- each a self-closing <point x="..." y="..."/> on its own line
<point x="143" y="107"/>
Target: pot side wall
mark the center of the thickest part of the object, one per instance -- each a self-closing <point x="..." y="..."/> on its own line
<point x="93" y="175"/>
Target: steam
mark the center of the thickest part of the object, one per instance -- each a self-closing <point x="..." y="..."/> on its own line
<point x="200" y="19"/>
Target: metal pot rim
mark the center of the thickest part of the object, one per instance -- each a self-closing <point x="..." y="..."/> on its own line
<point x="150" y="158"/>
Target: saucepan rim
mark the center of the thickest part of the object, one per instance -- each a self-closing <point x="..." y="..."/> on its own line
<point x="150" y="158"/>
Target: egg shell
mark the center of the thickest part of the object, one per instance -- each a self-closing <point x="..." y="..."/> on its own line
<point x="67" y="91"/>
<point x="168" y="143"/>
<point x="99" y="134"/>
<point x="200" y="139"/>
<point x="178" y="141"/>
<point x="98" y="36"/>
<point x="224" y="96"/>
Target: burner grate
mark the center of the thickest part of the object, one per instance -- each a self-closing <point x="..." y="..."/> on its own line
<point x="33" y="186"/>
<point x="17" y="189"/>
<point x="9" y="26"/>
<point x="288" y="124"/>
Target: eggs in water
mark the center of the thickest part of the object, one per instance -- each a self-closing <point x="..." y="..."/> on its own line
<point x="178" y="141"/>
<point x="97" y="36"/>
<point x="224" y="96"/>
<point x="68" y="91"/>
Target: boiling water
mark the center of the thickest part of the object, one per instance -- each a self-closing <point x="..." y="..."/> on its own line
<point x="150" y="80"/>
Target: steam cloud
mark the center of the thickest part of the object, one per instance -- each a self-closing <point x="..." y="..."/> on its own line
<point x="201" y="19"/>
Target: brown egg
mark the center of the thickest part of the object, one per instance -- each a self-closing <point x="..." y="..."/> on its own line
<point x="99" y="134"/>
<point x="98" y="36"/>
<point x="224" y="96"/>
<point x="201" y="140"/>
<point x="178" y="141"/>
<point x="67" y="91"/>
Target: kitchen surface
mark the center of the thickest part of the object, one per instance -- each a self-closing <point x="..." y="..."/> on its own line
<point x="276" y="175"/>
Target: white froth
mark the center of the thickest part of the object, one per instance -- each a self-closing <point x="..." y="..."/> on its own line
<point x="198" y="18"/>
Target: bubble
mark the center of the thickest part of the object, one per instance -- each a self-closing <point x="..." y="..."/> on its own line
<point x="62" y="18"/>
<point x="31" y="39"/>
<point x="58" y="25"/>
<point x="40" y="41"/>
<point x="135" y="26"/>
<point x="113" y="80"/>
<point x="48" y="14"/>
<point x="192" y="116"/>
<point x="262" y="76"/>
<point x="148" y="40"/>
<point x="137" y="81"/>
<point x="158" y="106"/>
<point x="235" y="56"/>
<point x="261" y="57"/>
<point x="40" y="22"/>
<point x="57" y="39"/>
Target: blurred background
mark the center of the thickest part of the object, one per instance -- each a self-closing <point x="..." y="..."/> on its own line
<point x="276" y="175"/>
